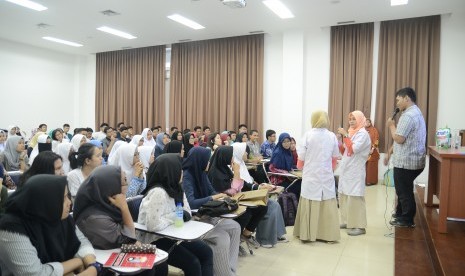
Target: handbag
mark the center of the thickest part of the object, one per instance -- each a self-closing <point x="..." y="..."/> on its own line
<point x="216" y="208"/>
<point x="139" y="248"/>
<point x="253" y="198"/>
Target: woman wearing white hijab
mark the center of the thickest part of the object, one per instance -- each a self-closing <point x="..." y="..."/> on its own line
<point x="111" y="156"/>
<point x="77" y="141"/>
<point x="146" y="156"/>
<point x="63" y="150"/>
<point x="148" y="137"/>
<point x="127" y="157"/>
<point x="137" y="140"/>
<point x="271" y="228"/>
<point x="42" y="139"/>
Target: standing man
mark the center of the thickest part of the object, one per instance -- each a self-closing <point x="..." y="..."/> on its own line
<point x="409" y="154"/>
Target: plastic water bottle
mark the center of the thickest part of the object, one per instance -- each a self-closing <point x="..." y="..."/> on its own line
<point x="179" y="221"/>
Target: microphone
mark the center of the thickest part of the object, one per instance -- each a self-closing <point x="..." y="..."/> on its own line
<point x="395" y="112"/>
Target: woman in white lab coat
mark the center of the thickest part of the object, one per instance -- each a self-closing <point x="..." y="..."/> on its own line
<point x="357" y="144"/>
<point x="317" y="216"/>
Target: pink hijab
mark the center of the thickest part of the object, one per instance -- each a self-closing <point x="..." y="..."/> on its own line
<point x="360" y="118"/>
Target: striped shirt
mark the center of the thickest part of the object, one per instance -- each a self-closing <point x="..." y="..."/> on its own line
<point x="412" y="153"/>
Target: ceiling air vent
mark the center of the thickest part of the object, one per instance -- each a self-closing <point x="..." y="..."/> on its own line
<point x="43" y="26"/>
<point x="110" y="13"/>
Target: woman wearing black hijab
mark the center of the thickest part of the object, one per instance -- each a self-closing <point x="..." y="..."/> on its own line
<point x="174" y="147"/>
<point x="37" y="235"/>
<point x="157" y="211"/>
<point x="188" y="141"/>
<point x="102" y="213"/>
<point x="229" y="182"/>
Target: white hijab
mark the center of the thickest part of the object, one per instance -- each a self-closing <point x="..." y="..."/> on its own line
<point x="124" y="158"/>
<point x="63" y="150"/>
<point x="115" y="147"/>
<point x="136" y="139"/>
<point x="238" y="152"/>
<point x="76" y="142"/>
<point x="35" y="151"/>
<point x="148" y="142"/>
<point x="144" y="155"/>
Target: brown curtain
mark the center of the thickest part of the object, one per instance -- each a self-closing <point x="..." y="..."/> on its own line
<point x="130" y="87"/>
<point x="408" y="56"/>
<point x="218" y="83"/>
<point x="351" y="72"/>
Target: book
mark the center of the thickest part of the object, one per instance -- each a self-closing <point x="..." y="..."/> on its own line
<point x="139" y="260"/>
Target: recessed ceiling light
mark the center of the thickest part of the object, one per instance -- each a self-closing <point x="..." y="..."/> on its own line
<point x="185" y="21"/>
<point x="116" y="32"/>
<point x="278" y="8"/>
<point x="399" y="2"/>
<point x="74" y="44"/>
<point x="29" y="4"/>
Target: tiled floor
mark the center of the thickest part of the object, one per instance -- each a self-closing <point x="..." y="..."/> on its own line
<point x="370" y="254"/>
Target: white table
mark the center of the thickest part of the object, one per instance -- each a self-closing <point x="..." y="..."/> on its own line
<point x="190" y="231"/>
<point x="103" y="255"/>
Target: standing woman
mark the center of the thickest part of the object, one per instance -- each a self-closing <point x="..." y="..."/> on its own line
<point x="157" y="211"/>
<point x="38" y="237"/>
<point x="372" y="163"/>
<point x="317" y="216"/>
<point x="351" y="187"/>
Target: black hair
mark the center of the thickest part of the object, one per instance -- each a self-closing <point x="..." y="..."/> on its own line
<point x="153" y="128"/>
<point x="253" y="131"/>
<point x="185" y="131"/>
<point x="197" y="127"/>
<point x="242" y="125"/>
<point x="173" y="128"/>
<point x="65" y="125"/>
<point x="205" y="128"/>
<point x="269" y="132"/>
<point x="77" y="159"/>
<point x="89" y="129"/>
<point x="106" y="129"/>
<point x="44" y="163"/>
<point x="103" y="125"/>
<point x="123" y="128"/>
<point x="54" y="132"/>
<point x="129" y="127"/>
<point x="407" y="91"/>
<point x="211" y="140"/>
<point x="157" y="127"/>
<point x="231" y="132"/>
<point x="41" y="125"/>
<point x="119" y="124"/>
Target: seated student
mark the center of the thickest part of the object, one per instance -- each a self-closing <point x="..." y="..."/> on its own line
<point x="294" y="151"/>
<point x="254" y="146"/>
<point x="43" y="144"/>
<point x="149" y="139"/>
<point x="188" y="141"/>
<point x="242" y="138"/>
<point x="282" y="162"/>
<point x="77" y="141"/>
<point x="112" y="154"/>
<point x="266" y="149"/>
<point x="38" y="237"/>
<point x="83" y="162"/>
<point x="271" y="228"/>
<point x="127" y="157"/>
<point x="157" y="211"/>
<point x="100" y="135"/>
<point x="229" y="182"/>
<point x="137" y="140"/>
<point x="177" y="135"/>
<point x="225" y="139"/>
<point x="174" y="147"/>
<point x="214" y="141"/>
<point x="4" y="192"/>
<point x="14" y="157"/>
<point x="224" y="239"/>
<point x="57" y="138"/>
<point x="66" y="135"/>
<point x="146" y="157"/>
<point x="102" y="214"/>
<point x="108" y="142"/>
<point x="232" y="137"/>
<point x="162" y="140"/>
<point x="2" y="140"/>
<point x="46" y="162"/>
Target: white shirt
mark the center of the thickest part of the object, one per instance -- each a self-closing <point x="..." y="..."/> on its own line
<point x="75" y="179"/>
<point x="99" y="135"/>
<point x="353" y="171"/>
<point x="318" y="147"/>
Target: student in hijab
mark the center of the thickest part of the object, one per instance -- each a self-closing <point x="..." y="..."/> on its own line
<point x="162" y="140"/>
<point x="38" y="237"/>
<point x="282" y="162"/>
<point x="63" y="150"/>
<point x="188" y="142"/>
<point x="317" y="216"/>
<point x="357" y="145"/>
<point x="102" y="213"/>
<point x="372" y="162"/>
<point x="230" y="182"/>
<point x="2" y="140"/>
<point x="77" y="141"/>
<point x="83" y="162"/>
<point x="174" y="147"/>
<point x="157" y="211"/>
<point x="137" y="140"/>
<point x="224" y="239"/>
<point x="225" y="138"/>
<point x="271" y="228"/>
<point x="43" y="144"/>
<point x="146" y="157"/>
<point x="177" y="136"/>
<point x="112" y="154"/>
<point x="46" y="162"/>
<point x="15" y="156"/>
<point x="149" y="140"/>
<point x="127" y="157"/>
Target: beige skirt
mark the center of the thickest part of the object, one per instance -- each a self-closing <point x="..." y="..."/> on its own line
<point x="353" y="211"/>
<point x="317" y="220"/>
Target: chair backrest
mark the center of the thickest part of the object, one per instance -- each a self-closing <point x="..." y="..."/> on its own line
<point x="134" y="204"/>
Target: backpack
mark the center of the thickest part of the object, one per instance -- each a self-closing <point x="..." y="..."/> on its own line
<point x="288" y="203"/>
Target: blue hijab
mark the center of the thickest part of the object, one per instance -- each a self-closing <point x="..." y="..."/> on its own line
<point x="281" y="157"/>
<point x="195" y="164"/>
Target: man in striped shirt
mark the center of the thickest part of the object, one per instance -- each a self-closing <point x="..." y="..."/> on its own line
<point x="409" y="154"/>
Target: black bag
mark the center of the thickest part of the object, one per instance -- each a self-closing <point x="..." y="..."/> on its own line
<point x="289" y="204"/>
<point x="216" y="208"/>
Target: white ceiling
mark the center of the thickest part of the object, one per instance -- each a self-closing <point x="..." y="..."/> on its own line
<point x="146" y="19"/>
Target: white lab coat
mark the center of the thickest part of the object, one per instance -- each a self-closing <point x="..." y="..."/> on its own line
<point x="317" y="149"/>
<point x="352" y="168"/>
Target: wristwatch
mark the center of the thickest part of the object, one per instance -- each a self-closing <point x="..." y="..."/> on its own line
<point x="98" y="266"/>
